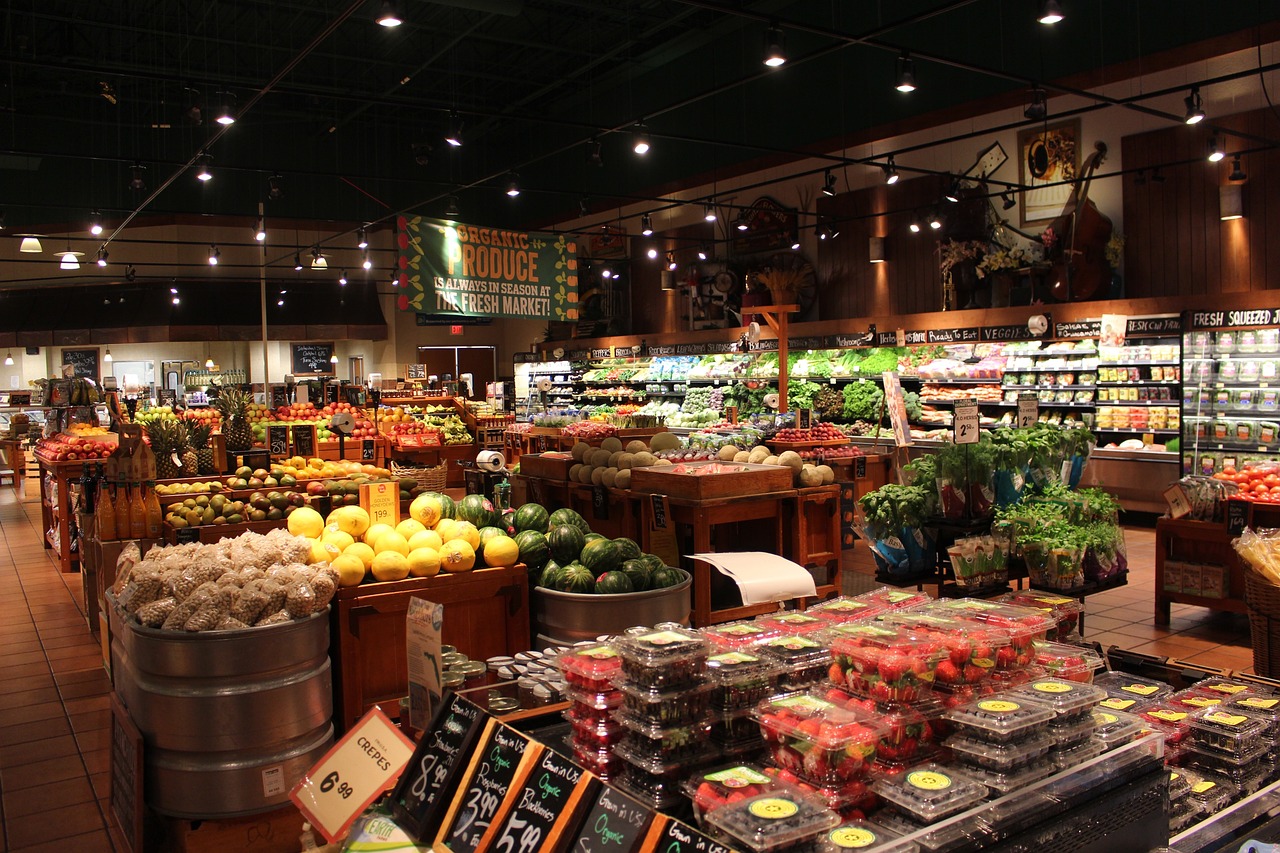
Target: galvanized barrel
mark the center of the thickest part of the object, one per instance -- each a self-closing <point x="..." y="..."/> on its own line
<point x="568" y="617"/>
<point x="231" y="719"/>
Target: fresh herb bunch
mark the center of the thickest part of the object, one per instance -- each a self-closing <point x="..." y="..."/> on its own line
<point x="890" y="508"/>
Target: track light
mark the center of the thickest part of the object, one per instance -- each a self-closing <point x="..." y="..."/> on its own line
<point x="454" y="134"/>
<point x="513" y="185"/>
<point x="342" y="279"/>
<point x="8" y="359"/>
<point x="935" y="222"/>
<point x="709" y="212"/>
<point x="953" y="192"/>
<point x="702" y="253"/>
<point x="129" y="274"/>
<point x="137" y="181"/>
<point x="275" y="187"/>
<point x="906" y="74"/>
<point x="203" y="173"/>
<point x="107" y="357"/>
<point x="890" y="172"/>
<point x="1050" y="12"/>
<point x="366" y="263"/>
<point x="1230" y="202"/>
<point x="914" y="225"/>
<point x="646" y="225"/>
<point x="823" y="232"/>
<point x="30" y="245"/>
<point x="594" y="155"/>
<point x="640" y="139"/>
<point x="214" y="254"/>
<point x="834" y="230"/>
<point x="1039" y="106"/>
<point x="1195" y="107"/>
<point x="297" y="262"/>
<point x="70" y="261"/>
<point x="795" y="244"/>
<point x="280" y="302"/>
<point x="652" y="253"/>
<point x="1237" y="174"/>
<point x="741" y="222"/>
<point x="102" y="257"/>
<point x="1006" y="200"/>
<point x="828" y="183"/>
<point x="95" y="223"/>
<point x="775" y="50"/>
<point x="606" y="273"/>
<point x="260" y="233"/>
<point x="389" y="16"/>
<point x="318" y="261"/>
<point x="176" y="300"/>
<point x="362" y="238"/>
<point x="1215" y="149"/>
<point x="671" y="261"/>
<point x="227" y="109"/>
<point x="451" y="208"/>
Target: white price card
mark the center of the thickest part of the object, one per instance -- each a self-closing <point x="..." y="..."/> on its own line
<point x="1028" y="410"/>
<point x="1176" y="497"/>
<point x="352" y="774"/>
<point x="966" y="423"/>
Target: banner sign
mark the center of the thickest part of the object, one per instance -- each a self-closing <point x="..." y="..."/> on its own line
<point x="450" y="268"/>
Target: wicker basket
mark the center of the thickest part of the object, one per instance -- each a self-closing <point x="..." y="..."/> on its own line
<point x="429" y="479"/>
<point x="1263" y="599"/>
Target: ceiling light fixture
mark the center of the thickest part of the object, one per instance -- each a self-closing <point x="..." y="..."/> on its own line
<point x="173" y="290"/>
<point x="280" y="302"/>
<point x="594" y="155"/>
<point x="95" y="223"/>
<point x="30" y="245"/>
<point x="203" y="173"/>
<point x="828" y="183"/>
<point x="137" y="181"/>
<point x="513" y="185"/>
<point x="102" y="257"/>
<point x="176" y="300"/>
<point x="652" y="253"/>
<point x="795" y="244"/>
<point x="260" y="233"/>
<point x="107" y="357"/>
<point x="1215" y="149"/>
<point x="709" y="212"/>
<point x="275" y="188"/>
<point x="1237" y="173"/>
<point x="129" y="275"/>
<point x="906" y="73"/>
<point x="671" y="261"/>
<point x="297" y="262"/>
<point x="70" y="260"/>
<point x="646" y="225"/>
<point x="1195" y="107"/>
<point x="366" y="263"/>
<point x="362" y="238"/>
<point x="227" y="109"/>
<point x="875" y="249"/>
<point x="389" y="16"/>
<point x="640" y="139"/>
<point x="953" y="192"/>
<point x="454" y="134"/>
<point x="1006" y="200"/>
<point x="1050" y="12"/>
<point x="208" y="363"/>
<point x="741" y="222"/>
<point x="935" y="221"/>
<point x="891" y="175"/>
<point x="318" y="261"/>
<point x="823" y="232"/>
<point x="606" y="273"/>
<point x="775" y="50"/>
<point x="8" y="359"/>
<point x="342" y="279"/>
<point x="333" y="359"/>
<point x="834" y="230"/>
<point x="451" y="210"/>
<point x="1230" y="202"/>
<point x="702" y="253"/>
<point x="214" y="254"/>
<point x="914" y="225"/>
<point x="1039" y="106"/>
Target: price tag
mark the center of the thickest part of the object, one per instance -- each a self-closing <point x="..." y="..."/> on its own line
<point x="382" y="502"/>
<point x="615" y="823"/>
<point x="188" y="534"/>
<point x="352" y="774"/>
<point x="804" y="418"/>
<point x="304" y="440"/>
<point x="1028" y="411"/>
<point x="428" y="784"/>
<point x="548" y="807"/>
<point x="499" y="768"/>
<point x="278" y="439"/>
<point x="1176" y="497"/>
<point x="966" y="424"/>
<point x="860" y="468"/>
<point x="1237" y="516"/>
<point x="368" y="450"/>
<point x="600" y="502"/>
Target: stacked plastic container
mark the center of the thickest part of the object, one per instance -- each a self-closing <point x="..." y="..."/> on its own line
<point x="863" y="835"/>
<point x="802" y="660"/>
<point x="1130" y="693"/>
<point x="740" y="679"/>
<point x="1003" y="742"/>
<point x="783" y="819"/>
<point x="1071" y="731"/>
<point x="1070" y="663"/>
<point x="591" y="673"/>
<point x="1066" y="612"/>
<point x="1225" y="739"/>
<point x="925" y="795"/>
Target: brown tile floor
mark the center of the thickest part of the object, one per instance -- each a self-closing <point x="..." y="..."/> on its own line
<point x="54" y="710"/>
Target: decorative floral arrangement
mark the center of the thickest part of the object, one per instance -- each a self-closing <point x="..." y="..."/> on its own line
<point x="1048" y="239"/>
<point x="1115" y="250"/>
<point x="957" y="252"/>
<point x="1001" y="258"/>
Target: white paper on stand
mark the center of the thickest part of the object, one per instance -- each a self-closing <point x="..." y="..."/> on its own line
<point x="762" y="577"/>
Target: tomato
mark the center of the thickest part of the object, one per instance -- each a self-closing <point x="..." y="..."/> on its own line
<point x="1229" y="470"/>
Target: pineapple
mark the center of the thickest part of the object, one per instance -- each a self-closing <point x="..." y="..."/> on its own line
<point x="167" y="438"/>
<point x="198" y="434"/>
<point x="190" y="460"/>
<point x="233" y="404"/>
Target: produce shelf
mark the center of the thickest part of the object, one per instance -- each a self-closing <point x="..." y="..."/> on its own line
<point x="1138" y="363"/>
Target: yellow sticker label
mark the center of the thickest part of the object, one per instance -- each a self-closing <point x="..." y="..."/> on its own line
<point x="897" y="596"/>
<point x="1168" y="716"/>
<point x="1260" y="704"/>
<point x="1201" y="787"/>
<point x="664" y="638"/>
<point x="998" y="706"/>
<point x="1229" y="689"/>
<point x="600" y="653"/>
<point x="1052" y="687"/>
<point x="1118" y="704"/>
<point x="1105" y="719"/>
<point x="773" y="808"/>
<point x="929" y="780"/>
<point x="1226" y="719"/>
<point x="985" y="663"/>
<point x="851" y="837"/>
<point x="1141" y="689"/>
<point x="1200" y="701"/>
<point x="843" y="607"/>
<point x="740" y="630"/>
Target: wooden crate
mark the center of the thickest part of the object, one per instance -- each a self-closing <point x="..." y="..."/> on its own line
<point x="758" y="479"/>
<point x="210" y="533"/>
<point x="275" y="831"/>
<point x="1184" y="541"/>
<point x="545" y="466"/>
<point x="486" y="613"/>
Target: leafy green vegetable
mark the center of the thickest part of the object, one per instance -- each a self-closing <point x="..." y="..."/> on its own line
<point x="800" y="395"/>
<point x="890" y="508"/>
<point x="862" y="401"/>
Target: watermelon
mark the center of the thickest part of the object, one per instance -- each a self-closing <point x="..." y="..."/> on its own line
<point x="508" y="522"/>
<point x="627" y="549"/>
<point x="568" y="516"/>
<point x="667" y="576"/>
<point x="565" y="542"/>
<point x="448" y="509"/>
<point x="532" y="516"/>
<point x="550" y="575"/>
<point x="638" y="572"/>
<point x="612" y="583"/>
<point x="601" y="556"/>
<point x="478" y="510"/>
<point x="576" y="578"/>
<point x="534" y="552"/>
<point x="487" y="533"/>
<point x="591" y="537"/>
<point x="654" y="562"/>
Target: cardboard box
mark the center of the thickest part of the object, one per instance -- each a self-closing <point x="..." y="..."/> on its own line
<point x="1173" y="575"/>
<point x="271" y="832"/>
<point x="1213" y="581"/>
<point x="1191" y="578"/>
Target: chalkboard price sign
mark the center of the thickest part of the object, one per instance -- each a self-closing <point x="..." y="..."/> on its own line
<point x="1237" y="517"/>
<point x="428" y="783"/>
<point x="616" y="824"/>
<point x="278" y="439"/>
<point x="304" y="440"/>
<point x="546" y="814"/>
<point x="668" y="835"/>
<point x="368" y="450"/>
<point x="279" y="396"/>
<point x="312" y="359"/>
<point x="498" y="769"/>
<point x="84" y="361"/>
<point x="600" y="502"/>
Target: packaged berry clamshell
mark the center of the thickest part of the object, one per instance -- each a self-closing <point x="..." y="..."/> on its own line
<point x="736" y="732"/>
<point x="1130" y="693"/>
<point x="594" y="732"/>
<point x="1223" y="688"/>
<point x="1002" y="783"/>
<point x="1179" y="784"/>
<point x="1024" y="625"/>
<point x="1212" y="792"/>
<point x="740" y="679"/>
<point x="1233" y="735"/>
<point x="970" y="833"/>
<point x="1113" y="728"/>
<point x="591" y="668"/>
<point x="1263" y="707"/>
<point x="1069" y="698"/>
<point x="1066" y="612"/>
<point x="663" y="659"/>
<point x="720" y="786"/>
<point x="884" y="662"/>
<point x="974" y="651"/>
<point x="1004" y="757"/>
<point x="738" y="635"/>
<point x="846" y="609"/>
<point x="818" y="740"/>
<point x="801" y="660"/>
<point x="891" y="598"/>
<point x="594" y="705"/>
<point x="1193" y="700"/>
<point x="672" y="707"/>
<point x="863" y="835"/>
<point x="1070" y="663"/>
<point x="777" y="820"/>
<point x="1169" y="721"/>
<point x="1002" y="719"/>
<point x="931" y="792"/>
<point x="791" y="622"/>
<point x="664" y="756"/>
<point x="1078" y="754"/>
<point x="659" y="791"/>
<point x="601" y="762"/>
<point x="1067" y="734"/>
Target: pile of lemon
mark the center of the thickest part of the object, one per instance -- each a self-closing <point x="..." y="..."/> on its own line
<point x="420" y="546"/>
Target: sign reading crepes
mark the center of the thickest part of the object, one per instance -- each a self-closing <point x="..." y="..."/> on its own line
<point x="450" y="268"/>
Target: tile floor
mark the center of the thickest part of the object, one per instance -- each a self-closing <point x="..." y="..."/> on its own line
<point x="55" y="717"/>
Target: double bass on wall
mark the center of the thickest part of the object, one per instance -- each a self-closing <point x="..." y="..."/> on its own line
<point x="1081" y="270"/>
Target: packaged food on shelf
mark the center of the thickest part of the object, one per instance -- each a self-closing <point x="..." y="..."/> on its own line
<point x="594" y="733"/>
<point x="1211" y="792"/>
<point x="1024" y="625"/>
<point x="1233" y="735"/>
<point x="1070" y="699"/>
<point x="736" y="732"/>
<point x="973" y="650"/>
<point x="930" y="792"/>
<point x="863" y="835"/>
<point x="846" y="608"/>
<point x="1070" y="663"/>
<point x="740" y="679"/>
<point x="602" y="762"/>
<point x="1078" y="754"/>
<point x="1071" y="732"/>
<point x="1115" y="728"/>
<point x="801" y="661"/>
<point x="595" y="705"/>
<point x="850" y="800"/>
<point x="892" y="598"/>
<point x="1001" y="719"/>
<point x="791" y="622"/>
<point x="663" y="658"/>
<point x="971" y="833"/>
<point x="658" y="791"/>
<point x="818" y="740"/>
<point x="1179" y="784"/>
<point x="672" y="707"/>
<point x="590" y="669"/>
<point x="1130" y="693"/>
<point x="1006" y="782"/>
<point x="1169" y="721"/>
<point x="1198" y="755"/>
<point x="1065" y="611"/>
<point x="1224" y="688"/>
<point x="1005" y="757"/>
<point x="883" y="662"/>
<point x="1265" y="707"/>
<point x="720" y="786"/>
<point x="1194" y="700"/>
<point x="663" y="750"/>
<point x="736" y="635"/>
<point x="775" y="820"/>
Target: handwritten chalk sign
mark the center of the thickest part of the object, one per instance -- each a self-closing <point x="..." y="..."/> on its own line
<point x="304" y="440"/>
<point x="279" y="396"/>
<point x="966" y="423"/>
<point x="668" y="835"/>
<point x="499" y="767"/>
<point x="83" y="361"/>
<point x="615" y="824"/>
<point x="548" y="809"/>
<point x="368" y="450"/>
<point x="312" y="359"/>
<point x="427" y="785"/>
<point x="278" y="439"/>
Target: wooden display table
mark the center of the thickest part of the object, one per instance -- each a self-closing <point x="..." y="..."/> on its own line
<point x="1180" y="542"/>
<point x="486" y="613"/>
<point x="430" y="457"/>
<point x="55" y="508"/>
<point x="12" y="454"/>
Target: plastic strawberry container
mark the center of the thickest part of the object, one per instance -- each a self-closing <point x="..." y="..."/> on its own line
<point x="852" y="799"/>
<point x="1070" y="663"/>
<point x="1066" y="612"/>
<point x="672" y="707"/>
<point x="590" y="669"/>
<point x="663" y="659"/>
<point x="740" y="679"/>
<point x="973" y="650"/>
<point x="863" y="835"/>
<point x="1169" y="721"/>
<point x="1004" y="757"/>
<point x="1263" y="707"/>
<point x="1024" y="625"/>
<point x="791" y="622"/>
<point x="846" y="608"/>
<point x="909" y="737"/>
<point x="884" y="662"/>
<point x="931" y="792"/>
<point x="891" y="598"/>
<point x="1070" y="699"/>
<point x="718" y="787"/>
<point x="594" y="732"/>
<point x="1224" y="688"/>
<point x="738" y="635"/>
<point x="1002" y="719"/>
<point x="1193" y="700"/>
<point x="777" y="820"/>
<point x="801" y="660"/>
<point x="1233" y="735"/>
<point x="601" y="762"/>
<point x="1078" y="754"/>
<point x="1113" y="728"/>
<point x="595" y="706"/>
<point x="819" y="741"/>
<point x="1001" y="782"/>
<point x="1131" y="693"/>
<point x="1076" y="730"/>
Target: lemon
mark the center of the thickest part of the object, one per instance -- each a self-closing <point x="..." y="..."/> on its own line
<point x="350" y="569"/>
<point x="337" y="537"/>
<point x="324" y="552"/>
<point x="305" y="521"/>
<point x="425" y="539"/>
<point x="371" y="535"/>
<point x="408" y="527"/>
<point x="361" y="552"/>
<point x="501" y="551"/>
<point x="390" y="566"/>
<point x="424" y="562"/>
<point x="426" y="510"/>
<point x="391" y="541"/>
<point x="465" y="531"/>
<point x="457" y="555"/>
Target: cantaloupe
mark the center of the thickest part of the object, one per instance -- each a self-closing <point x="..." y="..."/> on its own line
<point x="643" y="459"/>
<point x="758" y="455"/>
<point x="573" y="471"/>
<point x="635" y="445"/>
<point x="664" y="441"/>
<point x="614" y="457"/>
<point x="597" y="475"/>
<point x="609" y="477"/>
<point x="584" y="474"/>
<point x="770" y="460"/>
<point x="623" y="479"/>
<point x="791" y="459"/>
<point x="810" y="476"/>
<point x="742" y="456"/>
<point x="727" y="453"/>
<point x="611" y="444"/>
<point x="626" y="460"/>
<point x="580" y="450"/>
<point x="600" y="458"/>
<point x="828" y="474"/>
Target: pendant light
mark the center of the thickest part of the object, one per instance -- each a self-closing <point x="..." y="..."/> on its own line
<point x="214" y="254"/>
<point x="275" y="188"/>
<point x="107" y="358"/>
<point x="1215" y="149"/>
<point x="342" y="279"/>
<point x="8" y="359"/>
<point x="333" y="359"/>
<point x="646" y="225"/>
<point x="95" y="223"/>
<point x="640" y="139"/>
<point x="318" y="261"/>
<point x="137" y="177"/>
<point x="454" y="135"/>
<point x="202" y="173"/>
<point x="362" y="238"/>
<point x="102" y="257"/>
<point x="775" y="51"/>
<point x="389" y="16"/>
<point x="1237" y="173"/>
<point x="208" y="363"/>
<point x="451" y="210"/>
<point x="260" y="233"/>
<point x="891" y="175"/>
<point x="1195" y="107"/>
<point x="828" y="184"/>
<point x="906" y="74"/>
<point x="709" y="212"/>
<point x="30" y="245"/>
<point x="513" y="185"/>
<point x="227" y="109"/>
<point x="297" y="262"/>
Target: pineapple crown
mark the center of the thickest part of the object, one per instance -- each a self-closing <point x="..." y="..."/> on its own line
<point x="232" y="402"/>
<point x="198" y="434"/>
<point x="167" y="436"/>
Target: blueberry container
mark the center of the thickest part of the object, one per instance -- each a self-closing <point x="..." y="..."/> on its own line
<point x="931" y="792"/>
<point x="1004" y="757"/>
<point x="777" y="820"/>
<point x="1114" y="728"/>
<point x="1001" y="719"/>
<point x="1078" y="754"/>
<point x="1001" y="783"/>
<point x="1233" y="735"/>
<point x="1130" y="692"/>
<point x="1068" y="698"/>
<point x="1075" y="731"/>
<point x="863" y="835"/>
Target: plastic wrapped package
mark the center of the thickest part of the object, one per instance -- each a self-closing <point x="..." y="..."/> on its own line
<point x="1070" y="663"/>
<point x="1065" y="611"/>
<point x="1006" y="782"/>
<point x="593" y="668"/>
<point x="974" y="651"/>
<point x="1130" y="693"/>
<point x="1072" y="732"/>
<point x="740" y="679"/>
<point x="1115" y="728"/>
<point x="738" y="635"/>
<point x="962" y="834"/>
<point x="801" y="661"/>
<point x="720" y="786"/>
<point x="1235" y="736"/>
<point x="663" y="750"/>
<point x="884" y="662"/>
<point x="862" y="835"/>
<point x="791" y="622"/>
<point x="1001" y="719"/>
<point x="931" y="792"/>
<point x="673" y="707"/>
<point x="1003" y="757"/>
<point x="846" y="608"/>
<point x="1078" y="754"/>
<point x="1070" y="699"/>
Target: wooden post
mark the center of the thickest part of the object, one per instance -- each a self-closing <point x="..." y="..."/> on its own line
<point x="776" y="317"/>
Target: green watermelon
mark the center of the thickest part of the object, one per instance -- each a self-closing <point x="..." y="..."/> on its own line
<point x="576" y="578"/>
<point x="627" y="548"/>
<point x="654" y="562"/>
<point x="612" y="583"/>
<point x="565" y="542"/>
<point x="667" y="576"/>
<point x="638" y="572"/>
<point x="532" y="516"/>
<point x="534" y="552"/>
<point x="448" y="508"/>
<point x="568" y="516"/>
<point x="601" y="556"/>
<point x="487" y="533"/>
<point x="591" y="537"/>
<point x="508" y="521"/>
<point x="550" y="575"/>
<point x="478" y="510"/>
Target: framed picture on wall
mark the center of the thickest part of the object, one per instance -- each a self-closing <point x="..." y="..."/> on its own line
<point x="1048" y="156"/>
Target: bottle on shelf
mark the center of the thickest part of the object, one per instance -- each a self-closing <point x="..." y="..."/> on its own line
<point x="155" y="515"/>
<point x="137" y="513"/>
<point x="106" y="512"/>
<point x="87" y="490"/>
<point x="122" y="510"/>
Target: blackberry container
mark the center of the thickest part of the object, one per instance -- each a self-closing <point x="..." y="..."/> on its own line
<point x="1078" y="754"/>
<point x="740" y="679"/>
<point x="666" y="707"/>
<point x="801" y="661"/>
<point x="1235" y="736"/>
<point x="1114" y="728"/>
<point x="1072" y="733"/>
<point x="1130" y="693"/>
<point x="663" y="659"/>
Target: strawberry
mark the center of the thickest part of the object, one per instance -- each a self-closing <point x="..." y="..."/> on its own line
<point x="908" y="747"/>
<point x="707" y="797"/>
<point x="974" y="674"/>
<point x="881" y="692"/>
<point x="893" y="667"/>
<point x="787" y="758"/>
<point x="1006" y="658"/>
<point x="947" y="672"/>
<point x="960" y="652"/>
<point x="811" y="728"/>
<point x="816" y="765"/>
<point x="835" y="673"/>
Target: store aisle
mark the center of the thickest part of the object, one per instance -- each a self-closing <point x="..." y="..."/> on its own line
<point x="54" y="709"/>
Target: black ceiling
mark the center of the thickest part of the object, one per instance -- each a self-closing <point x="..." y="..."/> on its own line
<point x="88" y="88"/>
